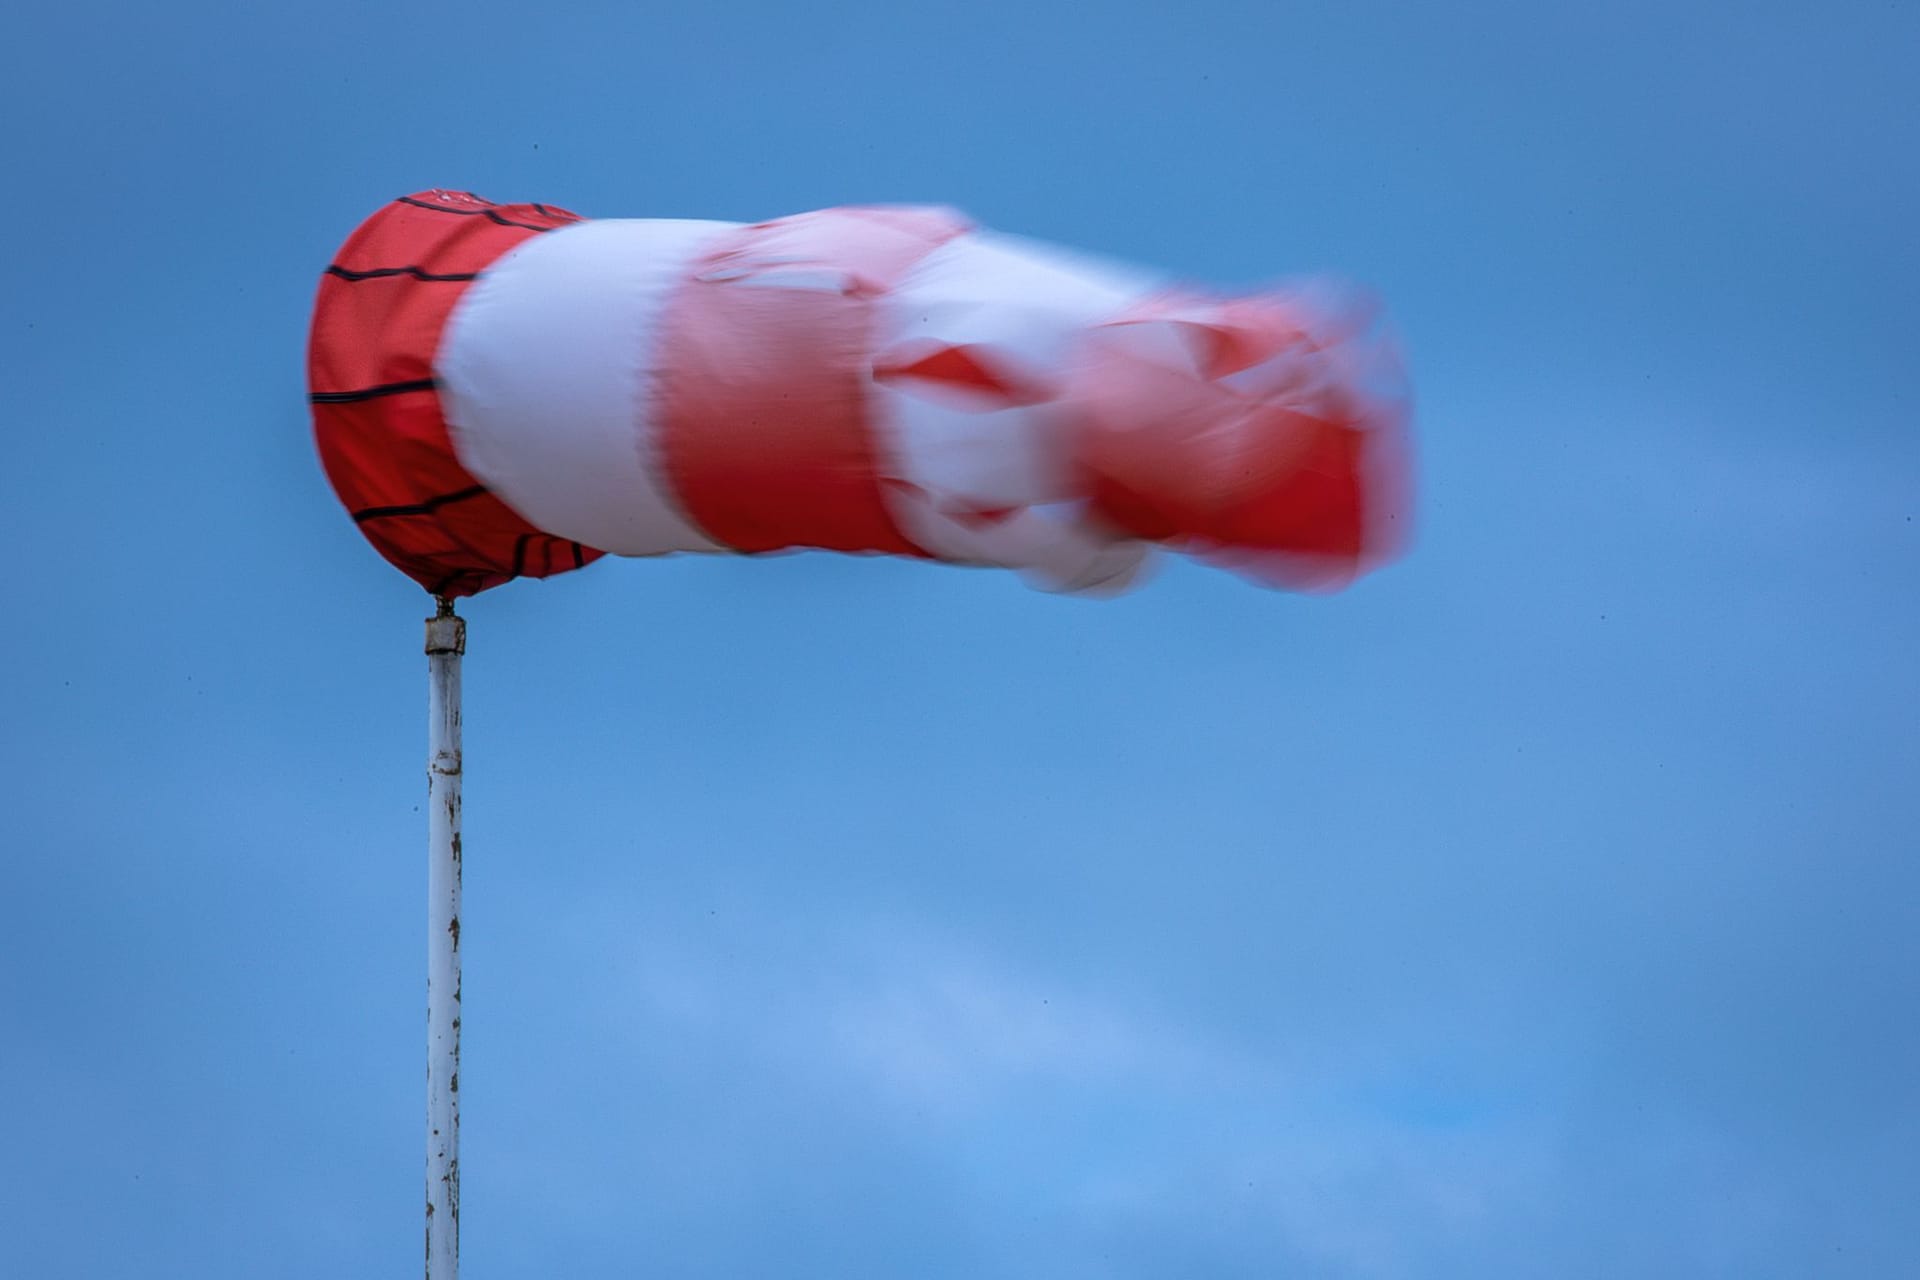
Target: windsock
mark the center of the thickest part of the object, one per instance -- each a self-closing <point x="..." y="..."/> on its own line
<point x="511" y="390"/>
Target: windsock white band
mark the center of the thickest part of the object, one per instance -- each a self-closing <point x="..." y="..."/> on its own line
<point x="546" y="371"/>
<point x="1025" y="304"/>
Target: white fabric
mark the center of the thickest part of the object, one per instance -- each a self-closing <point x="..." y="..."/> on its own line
<point x="546" y="372"/>
<point x="1031" y="300"/>
<point x="1024" y="305"/>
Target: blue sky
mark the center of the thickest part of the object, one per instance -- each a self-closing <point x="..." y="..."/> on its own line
<point x="1546" y="905"/>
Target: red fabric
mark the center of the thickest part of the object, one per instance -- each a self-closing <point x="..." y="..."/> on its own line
<point x="1307" y="496"/>
<point x="970" y="376"/>
<point x="376" y="327"/>
<point x="765" y="427"/>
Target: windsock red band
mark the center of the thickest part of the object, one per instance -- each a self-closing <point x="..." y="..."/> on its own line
<point x="378" y="421"/>
<point x="766" y="426"/>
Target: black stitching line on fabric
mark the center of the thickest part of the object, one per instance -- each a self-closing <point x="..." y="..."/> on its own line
<point x="382" y="273"/>
<point x="472" y="213"/>
<point x="372" y="393"/>
<point x="426" y="508"/>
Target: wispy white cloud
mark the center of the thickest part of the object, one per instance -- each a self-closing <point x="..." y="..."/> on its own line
<point x="799" y="1061"/>
<point x="917" y="1020"/>
<point x="1078" y="1103"/>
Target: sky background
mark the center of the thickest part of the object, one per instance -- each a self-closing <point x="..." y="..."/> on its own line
<point x="1546" y="905"/>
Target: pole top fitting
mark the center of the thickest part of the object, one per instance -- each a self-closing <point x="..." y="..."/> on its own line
<point x="446" y="634"/>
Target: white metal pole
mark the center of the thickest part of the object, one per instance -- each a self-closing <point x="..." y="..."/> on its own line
<point x="446" y="642"/>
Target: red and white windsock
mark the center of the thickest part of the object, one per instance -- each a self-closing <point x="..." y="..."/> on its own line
<point x="506" y="391"/>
